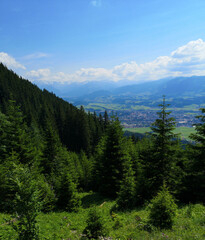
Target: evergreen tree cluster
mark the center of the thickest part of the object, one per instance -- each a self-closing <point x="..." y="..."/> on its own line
<point x="133" y="172"/>
<point x="76" y="129"/>
<point x="50" y="150"/>
<point x="50" y="138"/>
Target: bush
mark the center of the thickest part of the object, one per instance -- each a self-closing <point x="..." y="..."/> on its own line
<point x="117" y="221"/>
<point x="95" y="225"/>
<point x="68" y="198"/>
<point x="163" y="209"/>
<point x="47" y="195"/>
<point x="27" y="205"/>
<point x="126" y="195"/>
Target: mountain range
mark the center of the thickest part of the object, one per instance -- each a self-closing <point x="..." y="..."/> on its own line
<point x="180" y="90"/>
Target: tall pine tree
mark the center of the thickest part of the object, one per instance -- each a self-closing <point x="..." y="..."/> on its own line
<point x="112" y="157"/>
<point x="161" y="164"/>
<point x="196" y="173"/>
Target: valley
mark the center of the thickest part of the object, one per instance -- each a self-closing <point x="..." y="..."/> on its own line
<point x="136" y="105"/>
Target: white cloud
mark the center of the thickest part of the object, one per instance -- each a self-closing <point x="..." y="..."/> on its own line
<point x="96" y="3"/>
<point x="36" y="56"/>
<point x="192" y="50"/>
<point x="186" y="60"/>
<point x="9" y="61"/>
<point x="40" y="74"/>
<point x="84" y="74"/>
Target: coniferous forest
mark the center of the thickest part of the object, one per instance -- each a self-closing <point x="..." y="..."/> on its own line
<point x="59" y="162"/>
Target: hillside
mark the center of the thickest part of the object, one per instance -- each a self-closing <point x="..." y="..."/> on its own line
<point x="77" y="129"/>
<point x="55" y="158"/>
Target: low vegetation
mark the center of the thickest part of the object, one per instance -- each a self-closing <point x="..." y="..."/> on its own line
<point x="188" y="224"/>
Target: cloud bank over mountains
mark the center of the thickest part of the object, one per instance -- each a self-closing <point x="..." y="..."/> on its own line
<point x="186" y="60"/>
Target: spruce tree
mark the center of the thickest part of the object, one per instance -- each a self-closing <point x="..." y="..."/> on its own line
<point x="161" y="163"/>
<point x="49" y="162"/>
<point x="106" y="119"/>
<point x="18" y="138"/>
<point x="27" y="205"/>
<point x="127" y="194"/>
<point x="163" y="209"/>
<point x="95" y="227"/>
<point x="68" y="198"/>
<point x="4" y="123"/>
<point x="113" y="155"/>
<point x="196" y="173"/>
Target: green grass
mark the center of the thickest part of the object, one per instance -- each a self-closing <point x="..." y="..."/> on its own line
<point x="98" y="106"/>
<point x="183" y="131"/>
<point x="189" y="223"/>
<point x="132" y="105"/>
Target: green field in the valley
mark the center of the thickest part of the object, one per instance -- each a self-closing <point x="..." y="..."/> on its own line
<point x="183" y="131"/>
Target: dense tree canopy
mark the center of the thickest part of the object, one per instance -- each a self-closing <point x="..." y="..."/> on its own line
<point x="64" y="150"/>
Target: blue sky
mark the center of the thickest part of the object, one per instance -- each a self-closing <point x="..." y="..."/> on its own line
<point x="84" y="40"/>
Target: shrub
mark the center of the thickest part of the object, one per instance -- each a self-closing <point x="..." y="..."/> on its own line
<point x="26" y="204"/>
<point x="68" y="198"/>
<point x="95" y="225"/>
<point x="162" y="209"/>
<point x="117" y="221"/>
<point x="47" y="195"/>
<point x="126" y="195"/>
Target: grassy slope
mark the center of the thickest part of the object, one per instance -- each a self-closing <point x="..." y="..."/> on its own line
<point x="189" y="224"/>
<point x="184" y="131"/>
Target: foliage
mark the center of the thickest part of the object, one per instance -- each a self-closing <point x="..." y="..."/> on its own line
<point x="196" y="172"/>
<point x="126" y="196"/>
<point x="67" y="195"/>
<point x="48" y="153"/>
<point x="39" y="106"/>
<point x="95" y="225"/>
<point x="189" y="223"/>
<point x="27" y="204"/>
<point x="163" y="209"/>
<point x="160" y="160"/>
<point x="47" y="195"/>
<point x="112" y="155"/>
<point x="7" y="187"/>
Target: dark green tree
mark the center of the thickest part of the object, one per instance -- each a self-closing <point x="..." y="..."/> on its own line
<point x="4" y="123"/>
<point x="86" y="166"/>
<point x="68" y="198"/>
<point x="106" y="119"/>
<point x="27" y="205"/>
<point x="112" y="154"/>
<point x="18" y="138"/>
<point x="71" y="124"/>
<point x="52" y="145"/>
<point x="126" y="197"/>
<point x="163" y="209"/>
<point x="7" y="187"/>
<point x="95" y="225"/>
<point x="195" y="179"/>
<point x="161" y="164"/>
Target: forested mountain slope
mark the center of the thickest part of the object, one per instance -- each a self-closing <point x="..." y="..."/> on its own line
<point x="77" y="130"/>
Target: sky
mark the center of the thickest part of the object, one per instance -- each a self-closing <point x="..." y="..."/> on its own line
<point x="94" y="40"/>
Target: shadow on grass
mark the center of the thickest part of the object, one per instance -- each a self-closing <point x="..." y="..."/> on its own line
<point x="93" y="199"/>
